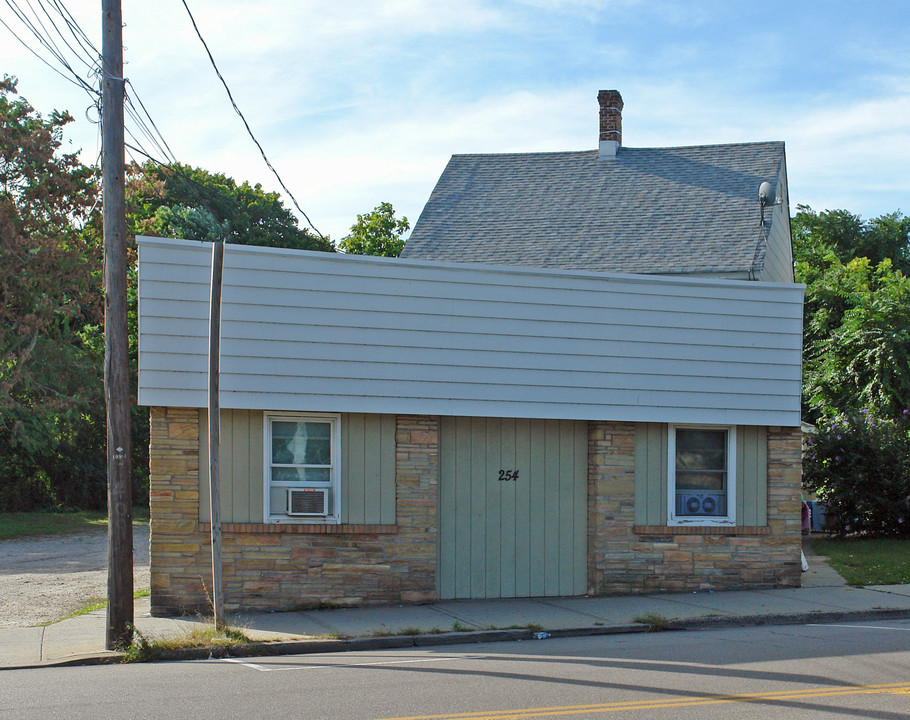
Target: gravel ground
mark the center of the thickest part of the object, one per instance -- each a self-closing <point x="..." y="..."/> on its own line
<point x="45" y="578"/>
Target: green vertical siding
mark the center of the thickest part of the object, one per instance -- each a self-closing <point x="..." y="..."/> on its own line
<point x="512" y="538"/>
<point x="505" y="581"/>
<point x="539" y="511"/>
<point x="240" y="461"/>
<point x="525" y="530"/>
<point x="651" y="475"/>
<point x="367" y="467"/>
<point x="752" y="466"/>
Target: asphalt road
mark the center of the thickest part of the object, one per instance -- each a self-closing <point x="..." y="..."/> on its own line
<point x="859" y="670"/>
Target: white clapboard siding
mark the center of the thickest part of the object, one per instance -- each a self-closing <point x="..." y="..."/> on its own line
<point x="329" y="332"/>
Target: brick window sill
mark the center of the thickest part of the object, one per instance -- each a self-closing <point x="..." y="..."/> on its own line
<point x="701" y="530"/>
<point x="303" y="529"/>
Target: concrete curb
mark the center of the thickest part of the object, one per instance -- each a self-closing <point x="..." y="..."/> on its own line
<point x="308" y="647"/>
<point x="708" y="623"/>
<point x="99" y="658"/>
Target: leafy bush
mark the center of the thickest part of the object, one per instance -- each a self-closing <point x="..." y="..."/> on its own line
<point x="860" y="467"/>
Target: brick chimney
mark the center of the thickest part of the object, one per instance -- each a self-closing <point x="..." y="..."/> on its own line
<point x="610" y="102"/>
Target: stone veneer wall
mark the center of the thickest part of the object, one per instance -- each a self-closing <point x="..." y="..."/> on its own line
<point x="289" y="566"/>
<point x="625" y="558"/>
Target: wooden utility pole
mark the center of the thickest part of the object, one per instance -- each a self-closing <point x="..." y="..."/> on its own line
<point x="116" y="361"/>
<point x="215" y="430"/>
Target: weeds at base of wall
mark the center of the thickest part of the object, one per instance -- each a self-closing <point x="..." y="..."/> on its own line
<point x="655" y="621"/>
<point x="145" y="649"/>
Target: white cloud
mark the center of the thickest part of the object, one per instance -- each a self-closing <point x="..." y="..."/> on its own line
<point x="358" y="102"/>
<point x="852" y="155"/>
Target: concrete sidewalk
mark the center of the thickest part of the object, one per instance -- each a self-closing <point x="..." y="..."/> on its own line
<point x="823" y="597"/>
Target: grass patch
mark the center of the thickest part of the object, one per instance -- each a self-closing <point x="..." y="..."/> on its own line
<point x="144" y="649"/>
<point x="655" y="621"/>
<point x="867" y="561"/>
<point x="388" y="632"/>
<point x="92" y="605"/>
<point x="26" y="524"/>
<point x="458" y="627"/>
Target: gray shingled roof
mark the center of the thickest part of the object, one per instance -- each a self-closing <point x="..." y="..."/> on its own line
<point x="649" y="210"/>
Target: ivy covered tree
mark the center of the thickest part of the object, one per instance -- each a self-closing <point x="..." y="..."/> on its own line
<point x="51" y="305"/>
<point x="377" y="232"/>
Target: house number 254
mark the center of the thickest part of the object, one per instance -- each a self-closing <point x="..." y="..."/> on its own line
<point x="508" y="475"/>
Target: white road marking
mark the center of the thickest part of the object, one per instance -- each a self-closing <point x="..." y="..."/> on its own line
<point x="245" y="664"/>
<point x="265" y="668"/>
<point x="860" y="627"/>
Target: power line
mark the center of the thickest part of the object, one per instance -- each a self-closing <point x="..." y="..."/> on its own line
<point x="78" y="33"/>
<point x="246" y="124"/>
<point x="156" y="138"/>
<point x="78" y="82"/>
<point x="84" y="55"/>
<point x="198" y="190"/>
<point x="143" y="127"/>
<point x="45" y="38"/>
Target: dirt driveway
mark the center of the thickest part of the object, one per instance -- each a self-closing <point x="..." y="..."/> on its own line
<point x="44" y="578"/>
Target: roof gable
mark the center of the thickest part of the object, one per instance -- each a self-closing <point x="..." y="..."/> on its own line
<point x="648" y="210"/>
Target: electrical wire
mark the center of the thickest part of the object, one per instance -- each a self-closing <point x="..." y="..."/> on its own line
<point x="80" y="52"/>
<point x="246" y="124"/>
<point x="162" y="145"/>
<point x="193" y="186"/>
<point x="142" y="128"/>
<point x="77" y="32"/>
<point x="78" y="82"/>
<point x="46" y="40"/>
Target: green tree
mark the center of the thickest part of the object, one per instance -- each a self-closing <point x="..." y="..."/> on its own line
<point x="52" y="412"/>
<point x="849" y="236"/>
<point x="195" y="204"/>
<point x="856" y="343"/>
<point x="51" y="305"/>
<point x="859" y="465"/>
<point x="377" y="233"/>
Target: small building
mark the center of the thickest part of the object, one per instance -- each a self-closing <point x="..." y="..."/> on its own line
<point x="582" y="377"/>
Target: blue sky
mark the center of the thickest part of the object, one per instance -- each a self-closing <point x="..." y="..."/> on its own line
<point x="359" y="102"/>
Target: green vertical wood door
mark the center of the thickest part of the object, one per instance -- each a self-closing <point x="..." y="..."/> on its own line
<point x="507" y="536"/>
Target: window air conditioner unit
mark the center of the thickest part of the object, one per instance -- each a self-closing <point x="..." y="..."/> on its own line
<point x="308" y="502"/>
<point x="708" y="504"/>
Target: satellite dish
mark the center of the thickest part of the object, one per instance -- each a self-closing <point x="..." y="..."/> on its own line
<point x="766" y="193"/>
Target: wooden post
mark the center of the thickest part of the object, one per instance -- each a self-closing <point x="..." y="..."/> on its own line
<point x="116" y="362"/>
<point x="215" y="430"/>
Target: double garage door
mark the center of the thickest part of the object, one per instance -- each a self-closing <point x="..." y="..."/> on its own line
<point x="512" y="508"/>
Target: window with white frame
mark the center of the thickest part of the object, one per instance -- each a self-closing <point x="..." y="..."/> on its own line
<point x="302" y="468"/>
<point x="702" y="475"/>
